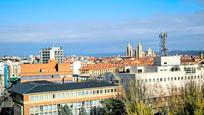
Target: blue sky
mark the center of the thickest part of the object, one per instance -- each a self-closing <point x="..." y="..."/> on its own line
<point x="99" y="26"/>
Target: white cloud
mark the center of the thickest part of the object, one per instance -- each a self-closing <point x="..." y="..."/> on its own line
<point x="98" y="31"/>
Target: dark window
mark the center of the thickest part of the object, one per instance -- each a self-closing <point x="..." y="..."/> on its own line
<point x="83" y="103"/>
<point x="41" y="108"/>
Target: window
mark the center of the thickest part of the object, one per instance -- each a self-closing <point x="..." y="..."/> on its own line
<point x="53" y="96"/>
<point x="45" y="108"/>
<point x="31" y="110"/>
<point x="83" y="103"/>
<point x="153" y="80"/>
<point x="178" y="78"/>
<point x="164" y="79"/>
<point x="97" y="91"/>
<point x="174" y="78"/>
<point x="41" y="108"/>
<point x="101" y="91"/>
<point x="32" y="98"/>
<point x="160" y="79"/>
<point x="87" y="92"/>
<point x="149" y="80"/>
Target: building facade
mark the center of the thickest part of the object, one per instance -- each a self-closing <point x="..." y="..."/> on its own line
<point x="165" y="77"/>
<point x="52" y="71"/>
<point x="56" y="53"/>
<point x="45" y="98"/>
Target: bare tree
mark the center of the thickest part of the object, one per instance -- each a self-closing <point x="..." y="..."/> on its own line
<point x="135" y="99"/>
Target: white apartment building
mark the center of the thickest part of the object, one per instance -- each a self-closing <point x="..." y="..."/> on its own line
<point x="56" y="53"/>
<point x="167" y="75"/>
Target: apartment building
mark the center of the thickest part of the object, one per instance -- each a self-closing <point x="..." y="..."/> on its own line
<point x="56" y="53"/>
<point x="46" y="98"/>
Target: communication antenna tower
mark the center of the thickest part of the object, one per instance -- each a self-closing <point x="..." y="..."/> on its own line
<point x="163" y="46"/>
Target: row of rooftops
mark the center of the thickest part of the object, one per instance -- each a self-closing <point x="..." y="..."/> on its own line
<point x="46" y="86"/>
<point x="118" y="64"/>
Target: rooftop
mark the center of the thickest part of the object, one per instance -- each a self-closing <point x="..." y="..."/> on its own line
<point x="45" y="86"/>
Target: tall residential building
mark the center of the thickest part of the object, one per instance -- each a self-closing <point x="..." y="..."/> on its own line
<point x="46" y="98"/>
<point x="56" y="53"/>
<point x="129" y="51"/>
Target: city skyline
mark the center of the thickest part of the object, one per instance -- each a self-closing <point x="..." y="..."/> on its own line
<point x="84" y="27"/>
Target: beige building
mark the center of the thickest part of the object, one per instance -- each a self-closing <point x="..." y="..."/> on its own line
<point x="46" y="98"/>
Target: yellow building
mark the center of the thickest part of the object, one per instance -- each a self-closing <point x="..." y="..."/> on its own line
<point x="46" y="98"/>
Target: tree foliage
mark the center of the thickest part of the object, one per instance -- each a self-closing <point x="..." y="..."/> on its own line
<point x="135" y="99"/>
<point x="111" y="107"/>
<point x="82" y="111"/>
<point x="65" y="110"/>
<point x="189" y="101"/>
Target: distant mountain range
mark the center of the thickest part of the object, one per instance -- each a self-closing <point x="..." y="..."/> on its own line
<point x="188" y="52"/>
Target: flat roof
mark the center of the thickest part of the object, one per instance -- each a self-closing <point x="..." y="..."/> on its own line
<point x="46" y="86"/>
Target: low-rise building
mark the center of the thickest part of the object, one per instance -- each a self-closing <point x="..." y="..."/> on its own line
<point x="165" y="77"/>
<point x="98" y="69"/>
<point x="52" y="71"/>
<point x="46" y="98"/>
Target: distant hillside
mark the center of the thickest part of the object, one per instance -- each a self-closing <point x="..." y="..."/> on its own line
<point x="189" y="52"/>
